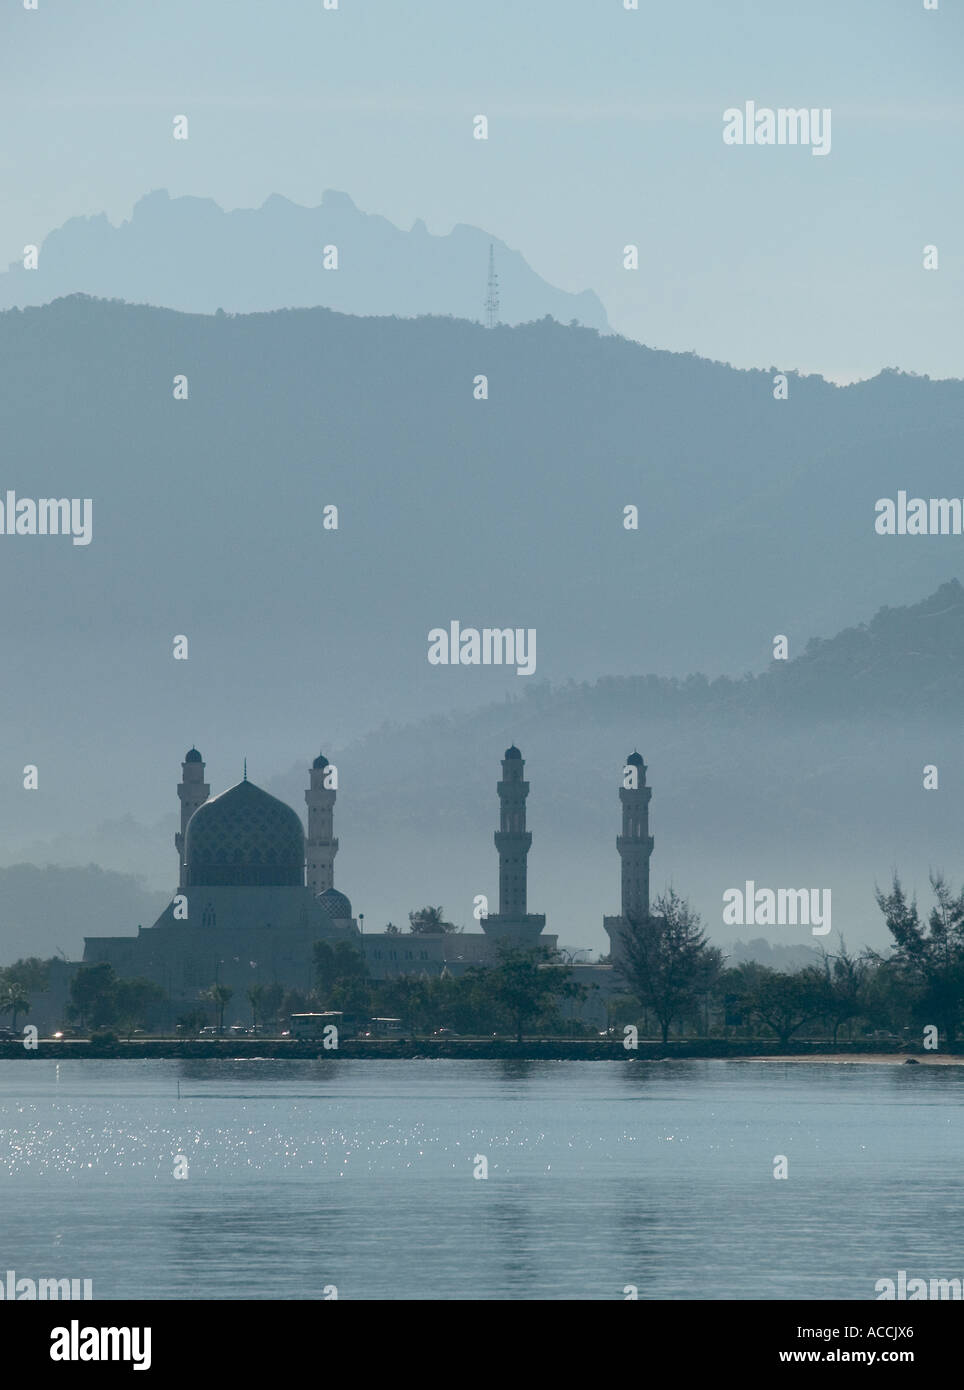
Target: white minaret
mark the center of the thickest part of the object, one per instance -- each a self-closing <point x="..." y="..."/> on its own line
<point x="322" y="845"/>
<point x="635" y="846"/>
<point x="192" y="792"/>
<point x="512" y="922"/>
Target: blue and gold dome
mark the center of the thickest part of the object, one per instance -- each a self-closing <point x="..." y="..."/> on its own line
<point x="335" y="904"/>
<point x="245" y="838"/>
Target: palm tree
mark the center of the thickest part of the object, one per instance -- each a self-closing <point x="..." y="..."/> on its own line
<point x="430" y="921"/>
<point x="256" y="1000"/>
<point x="219" y="995"/>
<point x="14" y="1000"/>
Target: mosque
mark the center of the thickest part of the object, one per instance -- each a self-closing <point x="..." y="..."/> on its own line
<point x="255" y="893"/>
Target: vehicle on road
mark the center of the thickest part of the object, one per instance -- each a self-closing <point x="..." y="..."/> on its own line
<point x="384" y="1028"/>
<point x="314" y="1025"/>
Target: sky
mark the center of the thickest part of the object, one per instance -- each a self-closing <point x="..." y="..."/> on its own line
<point x="605" y="129"/>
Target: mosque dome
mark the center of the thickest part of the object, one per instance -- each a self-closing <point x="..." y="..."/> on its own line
<point x="245" y="838"/>
<point x="193" y="756"/>
<point x="335" y="904"/>
<point x="320" y="761"/>
<point x="513" y="752"/>
<point x="635" y="760"/>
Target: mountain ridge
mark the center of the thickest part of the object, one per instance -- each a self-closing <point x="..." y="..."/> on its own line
<point x="189" y="253"/>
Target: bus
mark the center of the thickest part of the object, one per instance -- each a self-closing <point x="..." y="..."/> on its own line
<point x="385" y="1027"/>
<point x="314" y="1025"/>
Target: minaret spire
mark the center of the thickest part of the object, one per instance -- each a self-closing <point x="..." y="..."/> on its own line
<point x="322" y="845"/>
<point x="513" y="841"/>
<point x="192" y="792"/>
<point x="635" y="846"/>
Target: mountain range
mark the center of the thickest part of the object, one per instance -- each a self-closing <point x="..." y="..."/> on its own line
<point x="189" y="253"/>
<point x="756" y="521"/>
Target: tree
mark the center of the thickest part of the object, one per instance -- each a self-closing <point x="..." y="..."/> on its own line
<point x="256" y="1000"/>
<point x="31" y="972"/>
<point x="14" y="1000"/>
<point x="295" y="1001"/>
<point x="666" y="960"/>
<point x="133" y="1000"/>
<point x="781" y="1001"/>
<point x="93" y="992"/>
<point x="337" y="964"/>
<point x="271" y="1001"/>
<point x="392" y="930"/>
<point x="620" y="1009"/>
<point x="430" y="921"/>
<point x="192" y="1021"/>
<point x="845" y="986"/>
<point x="890" y="1002"/>
<point x="930" y="960"/>
<point x="406" y="997"/>
<point x="526" y="984"/>
<point x="220" y="996"/>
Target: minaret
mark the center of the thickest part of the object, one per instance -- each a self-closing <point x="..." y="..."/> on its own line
<point x="322" y="846"/>
<point x="513" y="841"/>
<point x="192" y="792"/>
<point x="635" y="845"/>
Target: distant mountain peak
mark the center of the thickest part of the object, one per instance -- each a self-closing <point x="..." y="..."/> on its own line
<point x="332" y="198"/>
<point x="191" y="254"/>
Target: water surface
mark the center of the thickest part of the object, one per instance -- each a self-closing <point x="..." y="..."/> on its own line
<point x="359" y="1174"/>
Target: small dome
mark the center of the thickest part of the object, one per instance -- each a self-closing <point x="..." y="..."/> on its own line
<point x="320" y="761"/>
<point x="335" y="904"/>
<point x="193" y="756"/>
<point x="635" y="760"/>
<point x="513" y="752"/>
<point x="245" y="838"/>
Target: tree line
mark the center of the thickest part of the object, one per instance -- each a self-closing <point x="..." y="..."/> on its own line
<point x="671" y="980"/>
<point x="669" y="968"/>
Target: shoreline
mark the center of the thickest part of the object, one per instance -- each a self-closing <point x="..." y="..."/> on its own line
<point x="434" y="1049"/>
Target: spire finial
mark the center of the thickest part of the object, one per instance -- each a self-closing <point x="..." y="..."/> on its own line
<point x="245" y="769"/>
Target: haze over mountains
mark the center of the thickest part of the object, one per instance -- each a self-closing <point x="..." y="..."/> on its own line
<point x="188" y="253"/>
<point x="807" y="775"/>
<point x="756" y="517"/>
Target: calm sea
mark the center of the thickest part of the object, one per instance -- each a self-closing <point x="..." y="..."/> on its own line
<point x="360" y="1175"/>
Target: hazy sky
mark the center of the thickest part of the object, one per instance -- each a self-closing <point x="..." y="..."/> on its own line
<point x="605" y="128"/>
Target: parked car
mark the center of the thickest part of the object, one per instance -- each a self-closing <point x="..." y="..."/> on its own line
<point x="208" y="1032"/>
<point x="8" y="1035"/>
